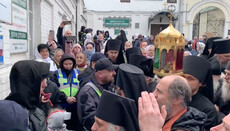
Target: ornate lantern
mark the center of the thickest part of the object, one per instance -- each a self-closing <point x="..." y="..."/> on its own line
<point x="169" y="52"/>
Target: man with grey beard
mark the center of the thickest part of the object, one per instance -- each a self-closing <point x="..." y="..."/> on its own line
<point x="174" y="93"/>
<point x="222" y="100"/>
<point x="221" y="52"/>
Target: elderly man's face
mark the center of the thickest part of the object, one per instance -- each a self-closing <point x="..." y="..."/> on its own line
<point x="68" y="33"/>
<point x="112" y="54"/>
<point x="223" y="58"/>
<point x="101" y="125"/>
<point x="162" y="95"/>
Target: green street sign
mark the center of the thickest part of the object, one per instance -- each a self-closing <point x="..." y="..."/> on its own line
<point x="116" y="22"/>
<point x="18" y="35"/>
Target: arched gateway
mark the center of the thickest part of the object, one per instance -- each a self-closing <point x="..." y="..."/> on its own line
<point x="212" y="16"/>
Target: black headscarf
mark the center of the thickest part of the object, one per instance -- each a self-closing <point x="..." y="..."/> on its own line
<point x="25" y="82"/>
<point x="118" y="110"/>
<point x="131" y="80"/>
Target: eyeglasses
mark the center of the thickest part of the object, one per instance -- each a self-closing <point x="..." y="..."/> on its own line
<point x="50" y="45"/>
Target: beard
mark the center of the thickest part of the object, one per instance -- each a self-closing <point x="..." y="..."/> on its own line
<point x="106" y="80"/>
<point x="225" y="91"/>
<point x="168" y="108"/>
<point x="216" y="84"/>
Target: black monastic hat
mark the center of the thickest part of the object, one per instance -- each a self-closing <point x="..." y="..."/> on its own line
<point x="113" y="45"/>
<point x="136" y="59"/>
<point x="131" y="80"/>
<point x="143" y="63"/>
<point x="197" y="67"/>
<point x="134" y="50"/>
<point x="147" y="67"/>
<point x="209" y="45"/>
<point x="221" y="46"/>
<point x="118" y="110"/>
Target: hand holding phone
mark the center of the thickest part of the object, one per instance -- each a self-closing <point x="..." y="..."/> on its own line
<point x="47" y="95"/>
<point x="67" y="22"/>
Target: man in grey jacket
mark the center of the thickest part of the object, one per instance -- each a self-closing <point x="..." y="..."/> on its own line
<point x="89" y="95"/>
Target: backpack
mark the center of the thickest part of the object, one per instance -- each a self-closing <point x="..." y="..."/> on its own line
<point x="37" y="120"/>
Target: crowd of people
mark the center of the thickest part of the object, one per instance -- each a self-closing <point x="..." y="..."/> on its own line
<point x="105" y="84"/>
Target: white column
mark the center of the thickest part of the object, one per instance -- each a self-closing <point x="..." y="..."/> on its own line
<point x="226" y="24"/>
<point x="190" y="31"/>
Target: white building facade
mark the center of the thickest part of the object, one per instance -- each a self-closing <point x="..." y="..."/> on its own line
<point x="27" y="23"/>
<point x="133" y="16"/>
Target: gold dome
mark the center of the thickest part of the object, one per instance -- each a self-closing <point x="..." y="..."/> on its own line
<point x="170" y="31"/>
<point x="170" y="36"/>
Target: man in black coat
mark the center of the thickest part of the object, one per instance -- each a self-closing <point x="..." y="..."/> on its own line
<point x="173" y="93"/>
<point x="62" y="39"/>
<point x="89" y="95"/>
<point x="222" y="95"/>
<point x="197" y="71"/>
<point x="221" y="52"/>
